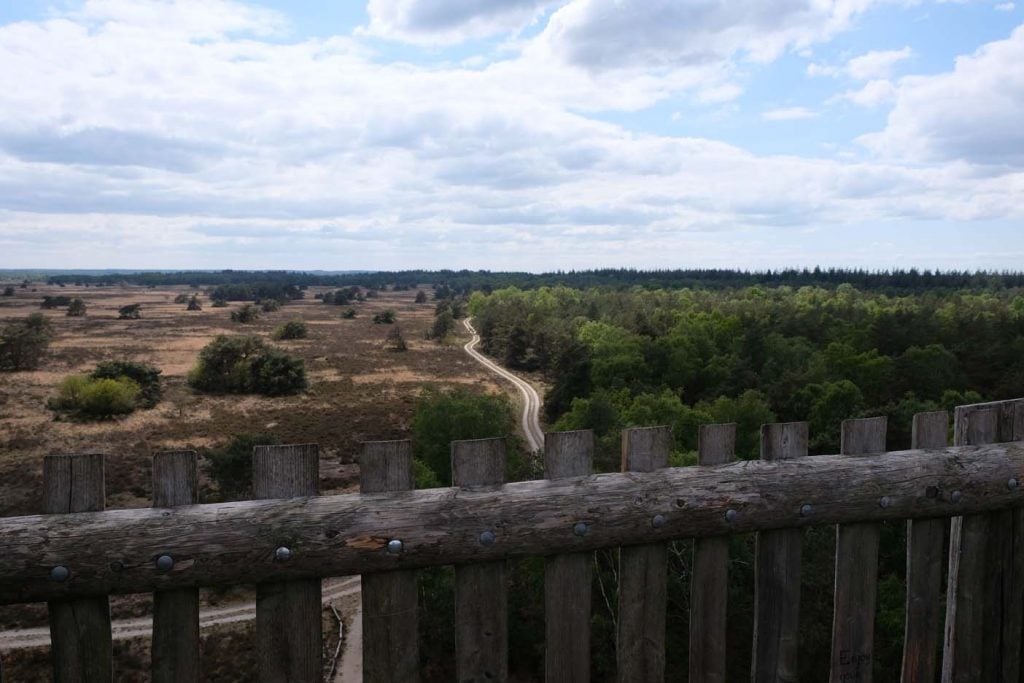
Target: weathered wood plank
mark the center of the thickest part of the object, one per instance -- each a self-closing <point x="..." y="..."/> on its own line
<point x="390" y="620"/>
<point x="567" y="578"/>
<point x="481" y="593"/>
<point x="175" y="651"/>
<point x="925" y="543"/>
<point x="643" y="570"/>
<point x="984" y="594"/>
<point x="228" y="543"/>
<point x="289" y="630"/>
<point x="81" y="647"/>
<point x="709" y="585"/>
<point x="853" y="621"/>
<point x="777" y="573"/>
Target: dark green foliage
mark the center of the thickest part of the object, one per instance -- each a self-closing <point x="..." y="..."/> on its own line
<point x="342" y="296"/>
<point x="394" y="341"/>
<point x="444" y="324"/>
<point x="219" y="303"/>
<point x="193" y="304"/>
<point x="385" y="317"/>
<point x="445" y="416"/>
<point x="251" y="289"/>
<point x="230" y="466"/>
<point x="76" y="308"/>
<point x="246" y="365"/>
<point x="421" y="297"/>
<point x="269" y="305"/>
<point x="349" y="313"/>
<point x="55" y="301"/>
<point x="145" y="376"/>
<point x="246" y="314"/>
<point x="181" y="299"/>
<point x="293" y="329"/>
<point x="8" y="291"/>
<point x="23" y="343"/>
<point x="130" y="312"/>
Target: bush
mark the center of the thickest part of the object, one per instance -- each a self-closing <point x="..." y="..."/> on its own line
<point x="349" y="313"/>
<point x="269" y="305"/>
<point x="193" y="304"/>
<point x="130" y="312"/>
<point x="230" y="466"/>
<point x="395" y="341"/>
<point x="385" y="317"/>
<point x="76" y="308"/>
<point x="246" y="314"/>
<point x="145" y="376"/>
<point x="421" y="297"/>
<point x="23" y="343"/>
<point x="8" y="291"/>
<point x="444" y="324"/>
<point x="181" y="298"/>
<point x="219" y="303"/>
<point x="95" y="398"/>
<point x="55" y="301"/>
<point x="293" y="329"/>
<point x="246" y="365"/>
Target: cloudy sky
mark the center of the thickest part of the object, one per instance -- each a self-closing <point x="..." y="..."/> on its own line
<point x="511" y="134"/>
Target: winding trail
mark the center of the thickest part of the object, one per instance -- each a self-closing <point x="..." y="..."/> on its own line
<point x="531" y="400"/>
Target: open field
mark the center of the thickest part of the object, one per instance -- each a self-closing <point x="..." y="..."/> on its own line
<point x="359" y="390"/>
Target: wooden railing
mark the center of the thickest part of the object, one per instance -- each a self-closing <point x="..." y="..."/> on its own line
<point x="290" y="538"/>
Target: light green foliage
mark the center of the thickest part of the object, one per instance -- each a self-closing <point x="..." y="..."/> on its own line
<point x="246" y="365"/>
<point x="90" y="398"/>
<point x="145" y="376"/>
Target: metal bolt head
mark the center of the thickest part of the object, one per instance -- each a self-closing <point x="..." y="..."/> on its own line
<point x="1013" y="484"/>
<point x="580" y="529"/>
<point x="60" y="573"/>
<point x="806" y="510"/>
<point x="730" y="515"/>
<point x="164" y="563"/>
<point x="884" y="502"/>
<point x="395" y="546"/>
<point x="658" y="521"/>
<point x="282" y="554"/>
<point x="955" y="496"/>
<point x="487" y="538"/>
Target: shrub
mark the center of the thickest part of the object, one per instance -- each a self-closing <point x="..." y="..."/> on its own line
<point x="23" y="343"/>
<point x="246" y="365"/>
<point x="269" y="305"/>
<point x="130" y="312"/>
<point x="8" y="291"/>
<point x="230" y="466"/>
<point x="193" y="304"/>
<point x="349" y="313"/>
<point x="421" y="297"/>
<point x="181" y="298"/>
<point x="55" y="301"/>
<point x="246" y="314"/>
<point x="385" y="317"/>
<point x="76" y="308"/>
<point x="395" y="341"/>
<point x="88" y="397"/>
<point x="219" y="303"/>
<point x="145" y="376"/>
<point x="444" y="324"/>
<point x="293" y="329"/>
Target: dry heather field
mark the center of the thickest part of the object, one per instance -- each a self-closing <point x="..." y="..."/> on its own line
<point x="358" y="390"/>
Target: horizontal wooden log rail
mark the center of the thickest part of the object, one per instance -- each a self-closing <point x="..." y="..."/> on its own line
<point x="48" y="557"/>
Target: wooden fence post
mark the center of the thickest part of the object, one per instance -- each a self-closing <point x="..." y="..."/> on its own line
<point x="80" y="638"/>
<point x="175" y="652"/>
<point x="777" y="574"/>
<point x="985" y="598"/>
<point x="709" y="586"/>
<point x="925" y="539"/>
<point x="390" y="623"/>
<point x="567" y="578"/>
<point x="853" y="622"/>
<point x="643" y="573"/>
<point x="289" y="627"/>
<point x="481" y="594"/>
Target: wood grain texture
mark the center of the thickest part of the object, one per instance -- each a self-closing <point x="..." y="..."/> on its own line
<point x="81" y="648"/>
<point x="643" y="570"/>
<point x="228" y="543"/>
<point x="481" y="593"/>
<point x="390" y="618"/>
<point x="777" y="574"/>
<point x="985" y="597"/>
<point x="289" y="630"/>
<point x="567" y="578"/>
<point x="709" y="585"/>
<point x="175" y="651"/>
<point x="856" y="587"/>
<point x="922" y="642"/>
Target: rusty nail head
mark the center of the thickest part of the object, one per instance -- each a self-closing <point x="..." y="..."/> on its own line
<point x="394" y="546"/>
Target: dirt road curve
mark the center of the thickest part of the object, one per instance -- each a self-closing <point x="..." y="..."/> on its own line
<point x="531" y="400"/>
<point x="123" y="629"/>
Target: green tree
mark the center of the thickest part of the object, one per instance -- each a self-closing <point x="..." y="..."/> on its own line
<point x="76" y="308"/>
<point x="230" y="466"/>
<point x="193" y="304"/>
<point x="394" y="341"/>
<point x="421" y="297"/>
<point x="23" y="343"/>
<point x="444" y="324"/>
<point x="130" y="312"/>
<point x="246" y="314"/>
<point x="246" y="365"/>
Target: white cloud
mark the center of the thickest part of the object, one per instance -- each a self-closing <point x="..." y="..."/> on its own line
<point x="788" y="114"/>
<point x="1005" y="7"/>
<point x="971" y="113"/>
<point x="872" y="94"/>
<point x="452" y="21"/>
<point x="876" y="64"/>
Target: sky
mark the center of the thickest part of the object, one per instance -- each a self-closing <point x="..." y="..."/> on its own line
<point x="528" y="135"/>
